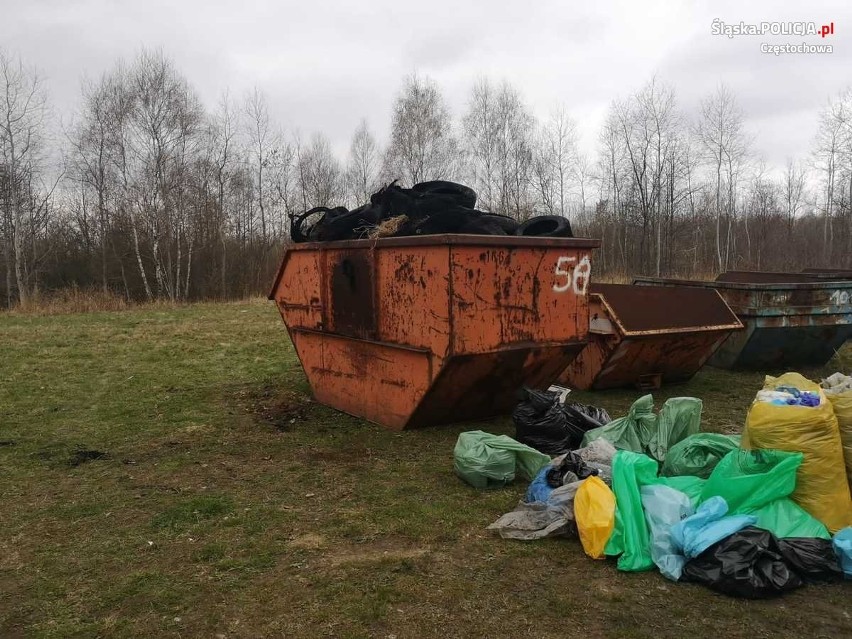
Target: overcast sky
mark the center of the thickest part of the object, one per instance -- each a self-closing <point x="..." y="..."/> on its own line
<point x="325" y="65"/>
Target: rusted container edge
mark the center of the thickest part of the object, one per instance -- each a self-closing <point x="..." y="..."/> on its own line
<point x="824" y="273"/>
<point x="446" y="239"/>
<point x="816" y="284"/>
<point x="604" y="298"/>
<point x="715" y="328"/>
<point x="792" y="311"/>
<point x="764" y="277"/>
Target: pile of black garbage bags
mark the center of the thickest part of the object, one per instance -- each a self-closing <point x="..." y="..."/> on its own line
<point x="546" y="424"/>
<point x="427" y="208"/>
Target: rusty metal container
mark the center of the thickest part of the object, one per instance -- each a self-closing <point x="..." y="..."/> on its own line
<point x="646" y="336"/>
<point x="829" y="273"/>
<point x="416" y="331"/>
<point x="765" y="277"/>
<point x="796" y="322"/>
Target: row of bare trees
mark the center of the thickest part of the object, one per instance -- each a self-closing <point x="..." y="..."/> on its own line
<point x="147" y="193"/>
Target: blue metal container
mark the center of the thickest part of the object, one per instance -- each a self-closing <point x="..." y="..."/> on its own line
<point x="798" y="322"/>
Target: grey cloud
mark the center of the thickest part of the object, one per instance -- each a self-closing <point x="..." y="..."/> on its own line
<point x="325" y="65"/>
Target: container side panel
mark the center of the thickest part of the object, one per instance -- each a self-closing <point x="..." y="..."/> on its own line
<point x="673" y="357"/>
<point x="790" y="346"/>
<point x="350" y="293"/>
<point x="298" y="294"/>
<point x="728" y="353"/>
<point x="651" y="308"/>
<point x="471" y="387"/>
<point x="504" y="296"/>
<point x="584" y="370"/>
<point x="378" y="382"/>
<point x="413" y="297"/>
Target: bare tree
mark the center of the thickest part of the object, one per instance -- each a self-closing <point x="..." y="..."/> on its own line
<point x="480" y="126"/>
<point x="612" y="178"/>
<point x="792" y="193"/>
<point x="760" y="208"/>
<point x="23" y="110"/>
<point x="500" y="143"/>
<point x="262" y="140"/>
<point x="582" y="172"/>
<point x="725" y="148"/>
<point x="649" y="125"/>
<point x="362" y="172"/>
<point x="422" y="145"/>
<point x="320" y="174"/>
<point x="222" y="131"/>
<point x="92" y="144"/>
<point x="557" y="163"/>
<point x="832" y="157"/>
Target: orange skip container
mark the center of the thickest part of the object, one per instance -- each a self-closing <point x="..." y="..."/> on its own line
<point x="424" y="330"/>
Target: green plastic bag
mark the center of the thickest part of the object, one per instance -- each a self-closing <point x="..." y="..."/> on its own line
<point x="624" y="432"/>
<point x="760" y="482"/>
<point x="751" y="482"/>
<point x="679" y="418"/>
<point x="630" y="537"/>
<point x="484" y="460"/>
<point x="691" y="486"/>
<point x="641" y="431"/>
<point x="698" y="454"/>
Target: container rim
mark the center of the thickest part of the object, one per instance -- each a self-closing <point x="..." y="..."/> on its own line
<point x="748" y="286"/>
<point x="443" y="239"/>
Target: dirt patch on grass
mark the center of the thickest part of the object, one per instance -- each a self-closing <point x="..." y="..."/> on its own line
<point x="380" y="550"/>
<point x="280" y="408"/>
<point x="374" y="555"/>
<point x="309" y="541"/>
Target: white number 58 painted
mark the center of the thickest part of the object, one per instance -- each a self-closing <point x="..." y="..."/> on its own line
<point x="570" y="275"/>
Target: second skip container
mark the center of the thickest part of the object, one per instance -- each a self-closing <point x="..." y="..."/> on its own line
<point x="646" y="336"/>
<point x="791" y="319"/>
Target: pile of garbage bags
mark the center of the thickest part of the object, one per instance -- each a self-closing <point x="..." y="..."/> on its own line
<point x="545" y="423"/>
<point x="427" y="208"/>
<point x="753" y="516"/>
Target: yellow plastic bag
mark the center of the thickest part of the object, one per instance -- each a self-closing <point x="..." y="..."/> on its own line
<point x="821" y="486"/>
<point x="594" y="512"/>
<point x="842" y="404"/>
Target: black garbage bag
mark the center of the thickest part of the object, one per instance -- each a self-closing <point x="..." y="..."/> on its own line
<point x="750" y="564"/>
<point x="586" y="417"/>
<point x="550" y="427"/>
<point x="814" y="560"/>
<point x="540" y="422"/>
<point x="571" y="464"/>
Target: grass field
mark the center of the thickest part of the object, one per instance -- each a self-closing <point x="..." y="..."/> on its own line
<point x="164" y="474"/>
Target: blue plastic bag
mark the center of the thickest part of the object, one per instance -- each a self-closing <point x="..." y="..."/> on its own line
<point x="843" y="547"/>
<point x="539" y="489"/>
<point x="697" y="533"/>
<point x="665" y="507"/>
